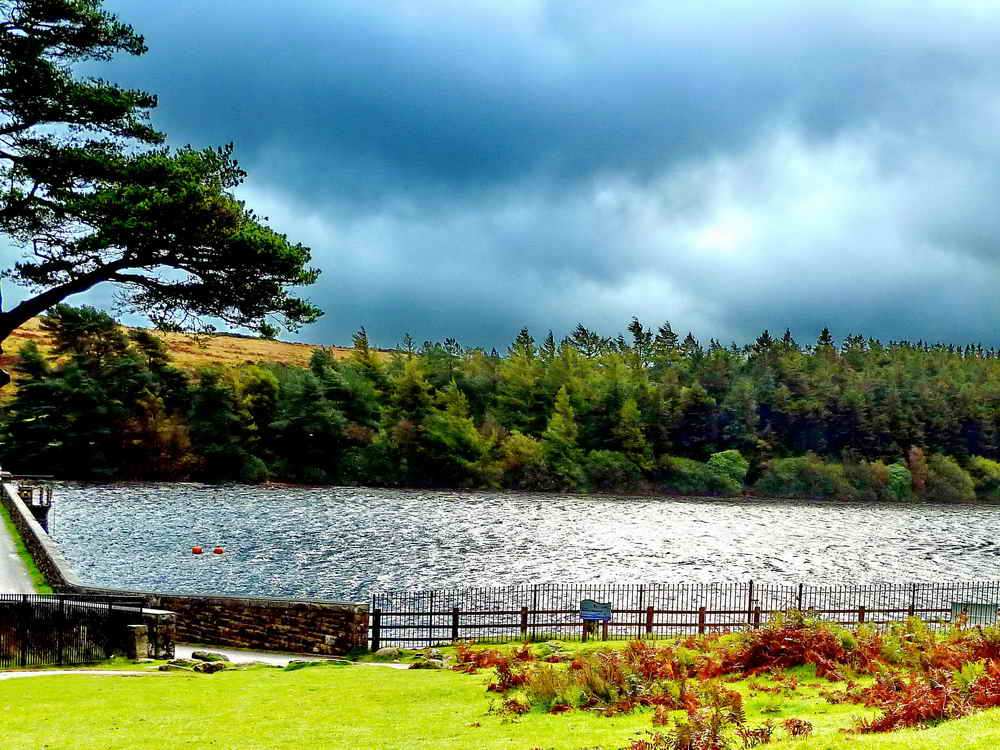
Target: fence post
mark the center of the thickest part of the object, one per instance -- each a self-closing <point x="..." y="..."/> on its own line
<point x="649" y="620"/>
<point x="800" y="598"/>
<point x="861" y="614"/>
<point x="756" y="617"/>
<point x="534" y="609"/>
<point x="750" y="600"/>
<point x="108" y="645"/>
<point x="60" y="625"/>
<point x="913" y="600"/>
<point x="701" y="621"/>
<point x="24" y="628"/>
<point x="376" y="629"/>
<point x="430" y="623"/>
<point x="454" y="623"/>
<point x="524" y="623"/>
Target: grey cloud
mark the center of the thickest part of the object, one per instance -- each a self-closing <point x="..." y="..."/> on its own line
<point x="463" y="170"/>
<point x="363" y="101"/>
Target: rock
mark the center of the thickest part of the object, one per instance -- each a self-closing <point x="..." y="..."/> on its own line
<point x="388" y="653"/>
<point x="183" y="663"/>
<point x="173" y="668"/>
<point x="549" y="648"/>
<point x="211" y="667"/>
<point x="428" y="664"/>
<point x="209" y="656"/>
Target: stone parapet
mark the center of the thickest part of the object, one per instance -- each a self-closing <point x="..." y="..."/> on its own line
<point x="44" y="551"/>
<point x="301" y="626"/>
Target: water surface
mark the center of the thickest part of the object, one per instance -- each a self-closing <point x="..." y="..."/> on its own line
<point x="342" y="543"/>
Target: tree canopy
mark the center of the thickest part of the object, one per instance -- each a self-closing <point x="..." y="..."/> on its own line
<point x="92" y="195"/>
<point x="857" y="419"/>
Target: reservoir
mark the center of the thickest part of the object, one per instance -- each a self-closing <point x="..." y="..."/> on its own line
<point x="345" y="543"/>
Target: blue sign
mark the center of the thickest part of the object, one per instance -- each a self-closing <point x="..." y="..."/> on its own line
<point x="596" y="611"/>
<point x="977" y="613"/>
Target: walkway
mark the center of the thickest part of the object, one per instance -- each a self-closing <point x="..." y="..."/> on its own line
<point x="61" y="672"/>
<point x="14" y="578"/>
<point x="274" y="658"/>
<point x="239" y="656"/>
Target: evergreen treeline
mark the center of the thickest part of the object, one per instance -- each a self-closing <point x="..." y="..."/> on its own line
<point x="863" y="419"/>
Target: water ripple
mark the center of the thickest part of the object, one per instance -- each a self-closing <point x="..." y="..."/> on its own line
<point x="342" y="543"/>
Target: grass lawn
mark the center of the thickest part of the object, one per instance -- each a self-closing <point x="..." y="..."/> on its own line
<point x="370" y="707"/>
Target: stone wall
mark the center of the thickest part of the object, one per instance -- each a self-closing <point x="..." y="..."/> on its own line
<point x="301" y="626"/>
<point x="45" y="552"/>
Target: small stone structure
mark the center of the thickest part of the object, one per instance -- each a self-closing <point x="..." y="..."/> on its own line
<point x="45" y="552"/>
<point x="137" y="645"/>
<point x="302" y="626"/>
<point x="307" y="627"/>
<point x="38" y="499"/>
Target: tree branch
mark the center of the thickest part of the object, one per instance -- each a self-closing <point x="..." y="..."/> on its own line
<point x="25" y="311"/>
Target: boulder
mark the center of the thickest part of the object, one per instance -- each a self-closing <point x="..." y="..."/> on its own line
<point x="209" y="656"/>
<point x="388" y="652"/>
<point x="428" y="664"/>
<point x="210" y="667"/>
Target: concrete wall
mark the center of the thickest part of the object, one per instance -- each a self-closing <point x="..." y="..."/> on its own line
<point x="302" y="626"/>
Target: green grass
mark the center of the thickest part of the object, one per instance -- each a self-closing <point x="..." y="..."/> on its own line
<point x="364" y="707"/>
<point x="37" y="578"/>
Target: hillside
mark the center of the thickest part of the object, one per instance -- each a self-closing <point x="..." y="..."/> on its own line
<point x="189" y="352"/>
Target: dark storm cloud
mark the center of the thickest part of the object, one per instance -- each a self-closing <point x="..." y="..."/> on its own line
<point x="377" y="99"/>
<point x="463" y="169"/>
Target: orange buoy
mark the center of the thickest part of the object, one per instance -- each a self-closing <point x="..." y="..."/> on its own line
<point x="218" y="551"/>
<point x="196" y="550"/>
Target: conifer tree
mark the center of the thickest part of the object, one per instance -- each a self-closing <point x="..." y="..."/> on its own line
<point x="547" y="351"/>
<point x="587" y="342"/>
<point x="630" y="435"/>
<point x="564" y="457"/>
<point x="642" y="345"/>
<point x="523" y="345"/>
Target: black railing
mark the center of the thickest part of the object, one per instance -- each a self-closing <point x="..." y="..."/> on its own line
<point x="517" y="613"/>
<point x="47" y="629"/>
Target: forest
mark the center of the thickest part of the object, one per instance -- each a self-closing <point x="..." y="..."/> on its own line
<point x="855" y="419"/>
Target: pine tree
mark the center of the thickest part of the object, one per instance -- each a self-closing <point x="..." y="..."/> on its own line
<point x="524" y="345"/>
<point x="630" y="435"/>
<point x="666" y="339"/>
<point x="587" y="342"/>
<point x="642" y="345"/>
<point x="364" y="359"/>
<point x="564" y="457"/>
<point x="788" y="343"/>
<point x="547" y="351"/>
<point x="825" y="343"/>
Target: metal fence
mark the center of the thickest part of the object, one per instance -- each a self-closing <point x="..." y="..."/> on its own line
<point x="542" y="611"/>
<point x="46" y="629"/>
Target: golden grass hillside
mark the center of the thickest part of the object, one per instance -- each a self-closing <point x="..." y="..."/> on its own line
<point x="190" y="352"/>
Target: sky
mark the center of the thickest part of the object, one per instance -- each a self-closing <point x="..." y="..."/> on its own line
<point x="465" y="169"/>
